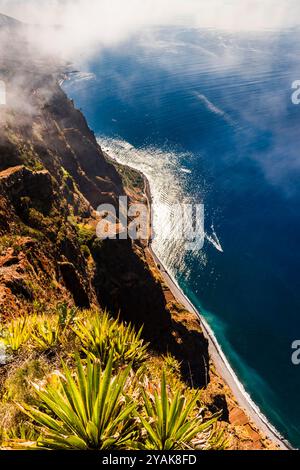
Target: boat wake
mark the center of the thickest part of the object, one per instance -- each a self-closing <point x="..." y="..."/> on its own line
<point x="214" y="240"/>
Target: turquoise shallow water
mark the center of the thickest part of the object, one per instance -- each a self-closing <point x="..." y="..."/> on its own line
<point x="208" y="115"/>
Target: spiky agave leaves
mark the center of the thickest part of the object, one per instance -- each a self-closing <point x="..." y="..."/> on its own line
<point x="16" y="333"/>
<point x="100" y="334"/>
<point x="46" y="333"/>
<point x="87" y="411"/>
<point x="40" y="332"/>
<point x="170" y="421"/>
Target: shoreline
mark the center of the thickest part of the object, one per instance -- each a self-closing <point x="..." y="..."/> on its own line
<point x="222" y="365"/>
<point x="217" y="356"/>
<point x="216" y="353"/>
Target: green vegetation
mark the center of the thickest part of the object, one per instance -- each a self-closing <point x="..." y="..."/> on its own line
<point x="132" y="179"/>
<point x="16" y="334"/>
<point x="169" y="420"/>
<point x="87" y="411"/>
<point x="83" y="380"/>
<point x="85" y="251"/>
<point x="99" y="335"/>
<point x="18" y="386"/>
<point x="10" y="241"/>
<point x="37" y="331"/>
<point x="46" y="333"/>
<point x="86" y="234"/>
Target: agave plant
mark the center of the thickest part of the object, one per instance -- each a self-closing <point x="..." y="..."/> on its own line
<point x="16" y="333"/>
<point x="89" y="411"/>
<point x="23" y="431"/>
<point x="170" y="421"/>
<point x="46" y="332"/>
<point x="99" y="334"/>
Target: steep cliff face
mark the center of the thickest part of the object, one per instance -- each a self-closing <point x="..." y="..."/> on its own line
<point x="53" y="175"/>
<point x="36" y="242"/>
<point x="47" y="130"/>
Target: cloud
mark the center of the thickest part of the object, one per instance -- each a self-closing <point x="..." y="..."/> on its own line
<point x="86" y="23"/>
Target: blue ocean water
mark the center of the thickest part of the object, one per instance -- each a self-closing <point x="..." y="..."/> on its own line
<point x="208" y="115"/>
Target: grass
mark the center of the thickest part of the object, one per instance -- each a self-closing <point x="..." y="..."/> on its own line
<point x="22" y="373"/>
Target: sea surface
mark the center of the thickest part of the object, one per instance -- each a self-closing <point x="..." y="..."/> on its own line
<point x="208" y="116"/>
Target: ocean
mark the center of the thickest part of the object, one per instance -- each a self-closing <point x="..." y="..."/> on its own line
<point x="208" y="116"/>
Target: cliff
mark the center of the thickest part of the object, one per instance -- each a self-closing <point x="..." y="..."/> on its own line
<point x="53" y="175"/>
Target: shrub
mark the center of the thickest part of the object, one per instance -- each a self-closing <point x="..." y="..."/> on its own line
<point x="39" y="331"/>
<point x="50" y="331"/>
<point x="36" y="219"/>
<point x="13" y="424"/>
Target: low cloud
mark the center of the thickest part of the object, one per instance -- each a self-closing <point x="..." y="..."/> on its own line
<point x="86" y="24"/>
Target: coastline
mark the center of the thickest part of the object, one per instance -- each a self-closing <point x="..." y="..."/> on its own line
<point x="217" y="356"/>
<point x="244" y="402"/>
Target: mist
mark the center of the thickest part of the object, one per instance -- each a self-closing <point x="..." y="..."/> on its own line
<point x="88" y="24"/>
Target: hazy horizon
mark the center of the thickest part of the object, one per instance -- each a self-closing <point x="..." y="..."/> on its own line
<point x="90" y="23"/>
